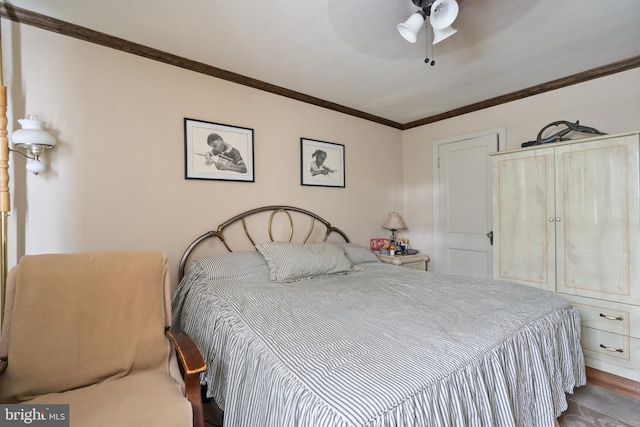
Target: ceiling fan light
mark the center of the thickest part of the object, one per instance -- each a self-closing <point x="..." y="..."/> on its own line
<point x="439" y="35"/>
<point x="443" y="14"/>
<point x="410" y="28"/>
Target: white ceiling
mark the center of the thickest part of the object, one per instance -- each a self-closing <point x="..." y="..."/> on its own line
<point x="348" y="52"/>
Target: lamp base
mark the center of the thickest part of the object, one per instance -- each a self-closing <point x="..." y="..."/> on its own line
<point x="392" y="239"/>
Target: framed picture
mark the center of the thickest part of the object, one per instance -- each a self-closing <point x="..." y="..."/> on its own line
<point x="217" y="151"/>
<point x="321" y="163"/>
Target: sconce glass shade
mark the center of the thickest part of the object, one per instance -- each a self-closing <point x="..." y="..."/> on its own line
<point x="394" y="222"/>
<point x="35" y="166"/>
<point x="410" y="28"/>
<point x="32" y="137"/>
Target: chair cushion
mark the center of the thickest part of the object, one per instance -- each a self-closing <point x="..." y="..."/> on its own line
<point x="79" y="319"/>
<point x="8" y="309"/>
<point x="147" y="398"/>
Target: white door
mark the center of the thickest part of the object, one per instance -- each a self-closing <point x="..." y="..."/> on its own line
<point x="464" y="205"/>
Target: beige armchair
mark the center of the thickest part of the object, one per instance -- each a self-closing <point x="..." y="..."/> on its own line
<point x="92" y="331"/>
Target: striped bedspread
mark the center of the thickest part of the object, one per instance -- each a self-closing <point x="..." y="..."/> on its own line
<point x="384" y="346"/>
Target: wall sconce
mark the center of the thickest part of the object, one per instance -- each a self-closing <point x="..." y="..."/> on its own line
<point x="35" y="140"/>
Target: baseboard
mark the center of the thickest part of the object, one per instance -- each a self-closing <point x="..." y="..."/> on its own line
<point x="614" y="383"/>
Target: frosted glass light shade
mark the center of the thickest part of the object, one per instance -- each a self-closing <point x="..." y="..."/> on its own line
<point x="439" y="35"/>
<point x="32" y="132"/>
<point x="32" y="137"/>
<point x="443" y="14"/>
<point x="410" y="28"/>
<point x="35" y="166"/>
<point x="34" y="140"/>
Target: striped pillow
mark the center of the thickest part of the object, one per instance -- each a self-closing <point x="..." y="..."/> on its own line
<point x="290" y="262"/>
<point x="359" y="254"/>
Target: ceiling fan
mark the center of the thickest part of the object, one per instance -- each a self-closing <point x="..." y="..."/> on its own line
<point x="441" y="15"/>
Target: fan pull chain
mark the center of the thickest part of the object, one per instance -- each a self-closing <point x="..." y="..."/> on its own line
<point x="426" y="60"/>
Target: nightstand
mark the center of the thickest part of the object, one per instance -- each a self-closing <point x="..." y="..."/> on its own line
<point x="416" y="262"/>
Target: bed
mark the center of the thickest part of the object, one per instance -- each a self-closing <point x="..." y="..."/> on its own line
<point x="310" y="330"/>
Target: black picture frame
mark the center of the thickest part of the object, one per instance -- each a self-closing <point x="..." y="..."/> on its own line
<point x="321" y="163"/>
<point x="203" y="156"/>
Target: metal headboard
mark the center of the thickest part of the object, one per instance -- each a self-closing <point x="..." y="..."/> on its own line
<point x="243" y="217"/>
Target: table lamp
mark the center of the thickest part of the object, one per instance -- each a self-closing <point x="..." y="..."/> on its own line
<point x="394" y="222"/>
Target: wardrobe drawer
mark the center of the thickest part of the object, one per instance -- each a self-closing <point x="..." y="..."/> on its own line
<point x="614" y="317"/>
<point x="606" y="344"/>
<point x="620" y="351"/>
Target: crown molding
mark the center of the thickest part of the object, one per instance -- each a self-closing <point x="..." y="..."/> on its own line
<point x="27" y="17"/>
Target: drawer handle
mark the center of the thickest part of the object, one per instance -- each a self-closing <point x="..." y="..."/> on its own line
<point x="618" y="350"/>
<point x="620" y="318"/>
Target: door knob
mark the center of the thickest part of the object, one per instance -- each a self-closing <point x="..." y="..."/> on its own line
<point x="490" y="236"/>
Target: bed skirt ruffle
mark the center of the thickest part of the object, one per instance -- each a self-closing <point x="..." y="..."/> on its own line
<point x="522" y="381"/>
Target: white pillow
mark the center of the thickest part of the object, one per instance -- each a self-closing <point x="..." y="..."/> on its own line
<point x="290" y="262"/>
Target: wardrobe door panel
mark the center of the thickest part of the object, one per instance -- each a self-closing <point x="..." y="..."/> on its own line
<point x="523" y="203"/>
<point x="597" y="219"/>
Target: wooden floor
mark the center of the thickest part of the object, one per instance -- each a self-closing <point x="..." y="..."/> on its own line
<point x="614" y="383"/>
<point x="594" y="406"/>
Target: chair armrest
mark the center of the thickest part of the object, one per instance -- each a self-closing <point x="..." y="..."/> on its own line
<point x="188" y="353"/>
<point x="192" y="364"/>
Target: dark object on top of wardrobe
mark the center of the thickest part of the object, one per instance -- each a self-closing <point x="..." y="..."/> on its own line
<point x="559" y="136"/>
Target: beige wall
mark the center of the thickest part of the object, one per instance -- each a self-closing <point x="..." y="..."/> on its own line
<point x="115" y="181"/>
<point x="610" y="104"/>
